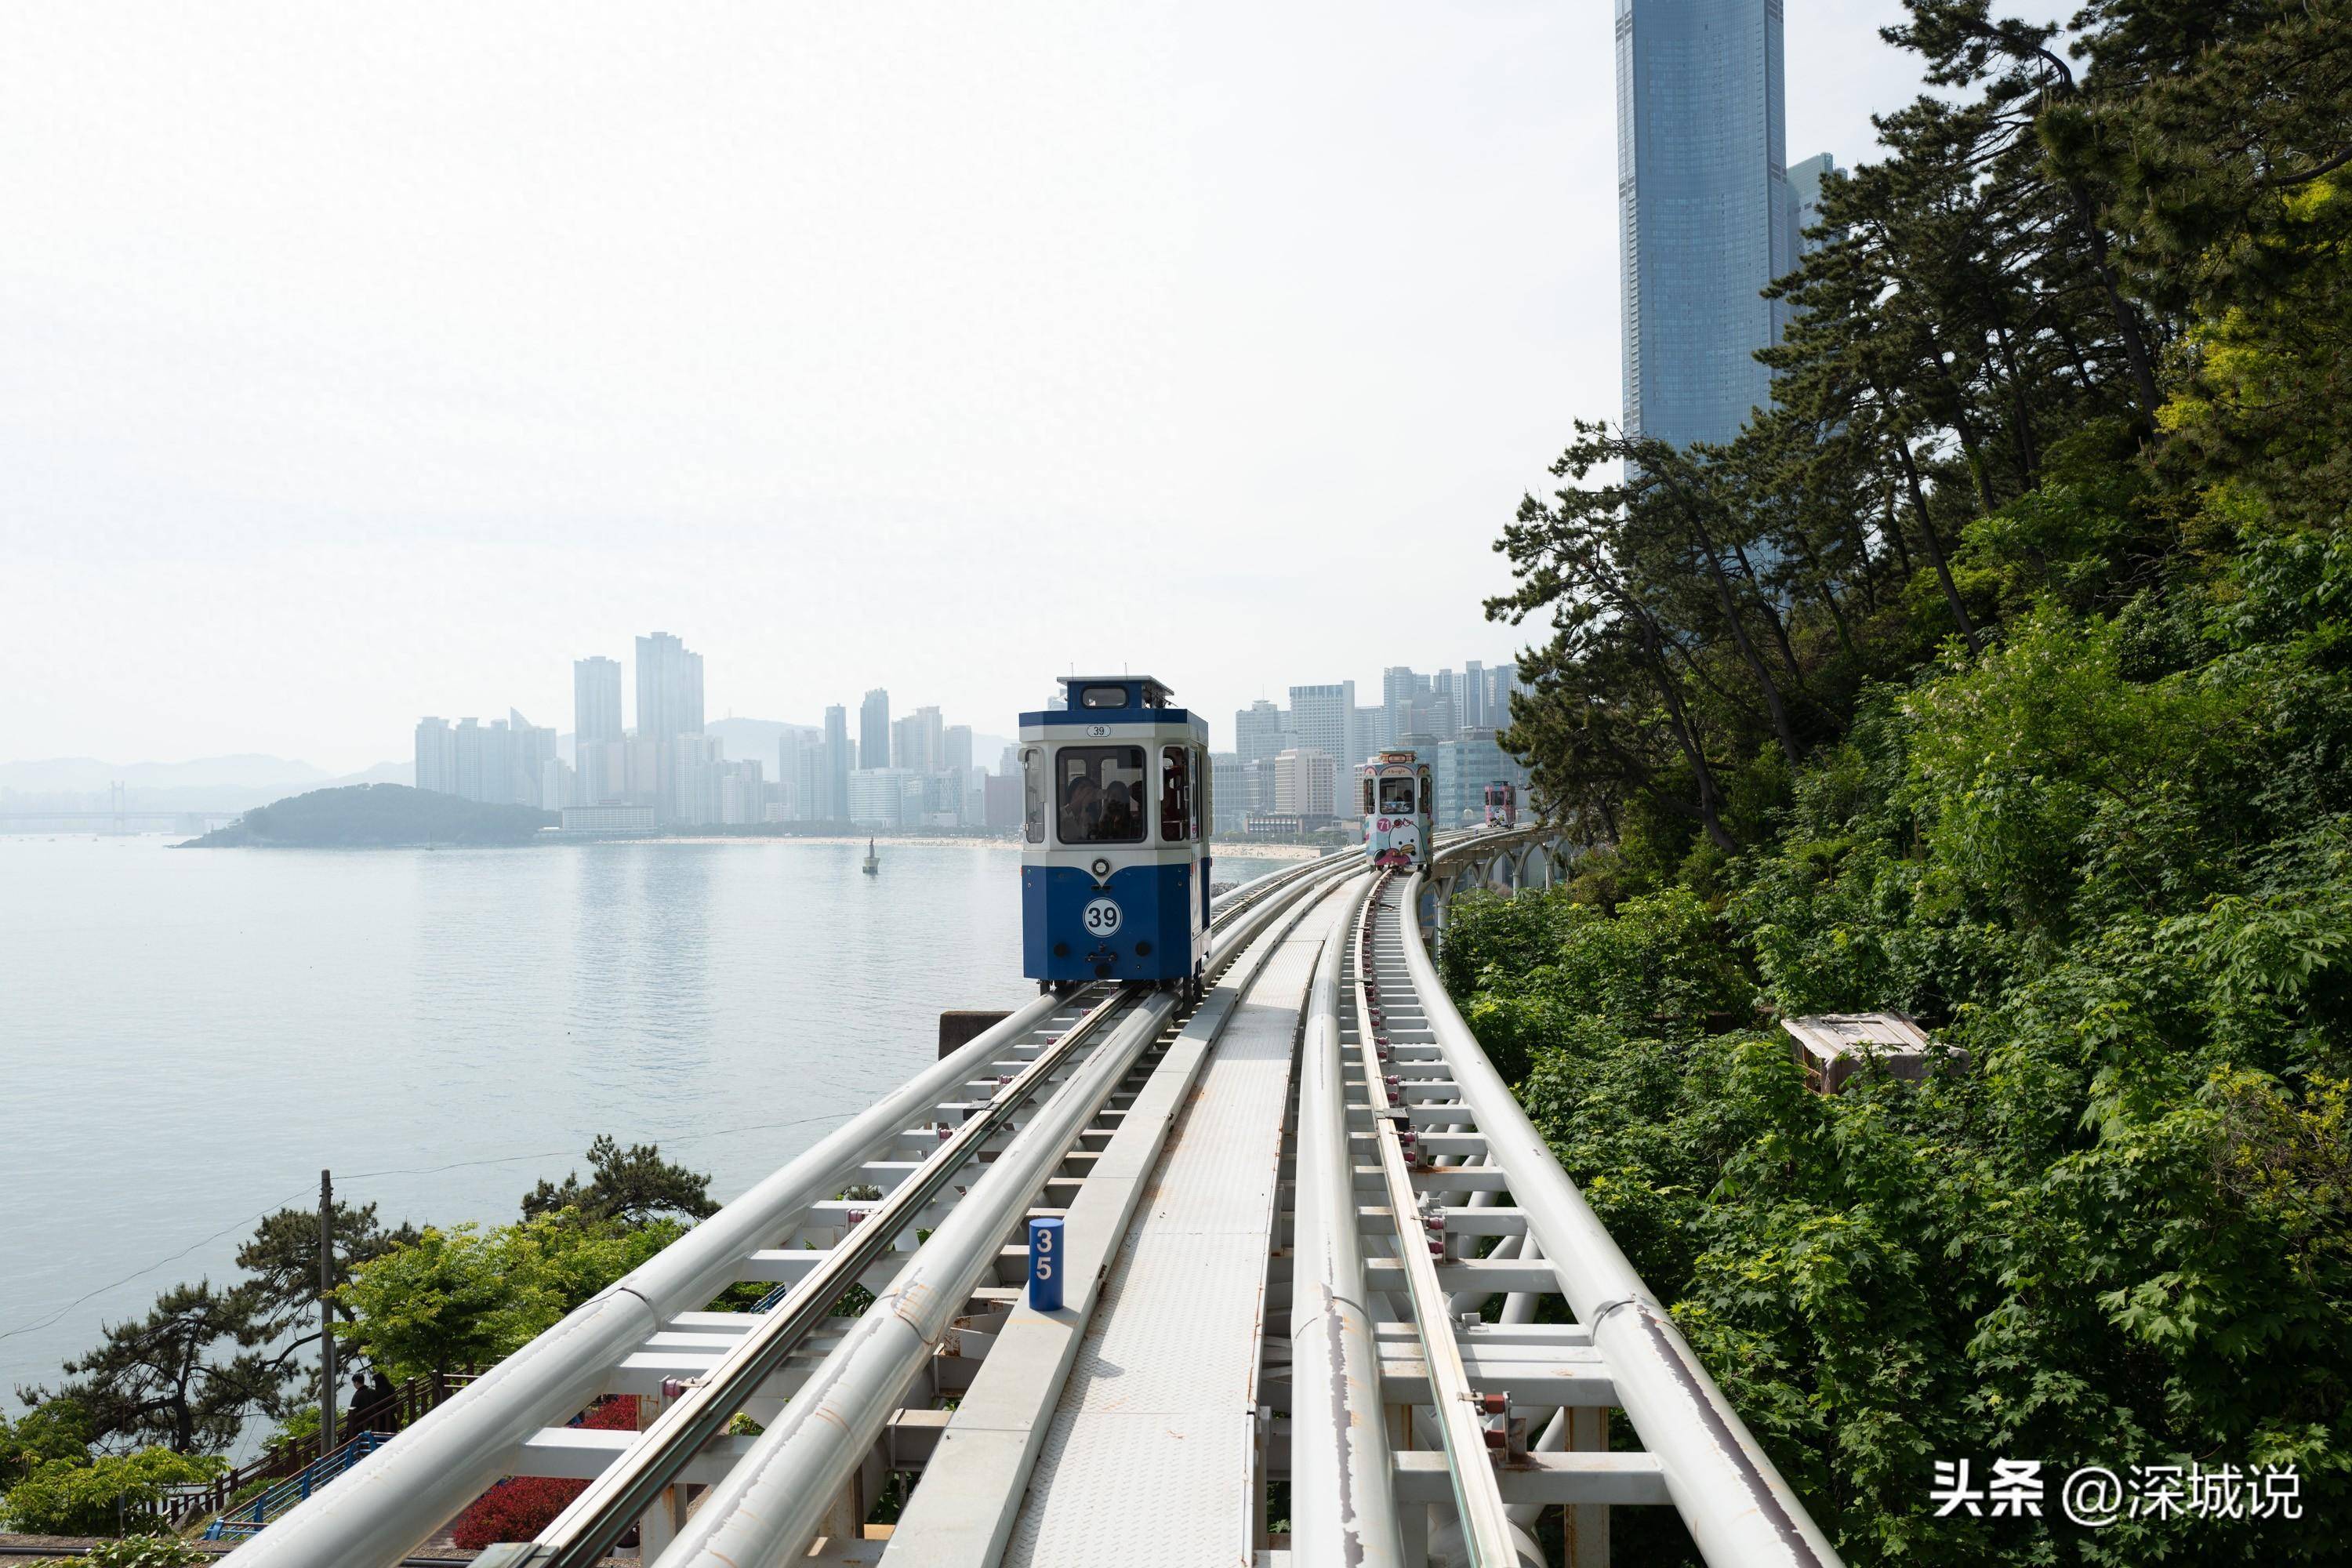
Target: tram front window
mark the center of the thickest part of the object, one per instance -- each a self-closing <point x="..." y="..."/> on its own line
<point x="1101" y="794"/>
<point x="1396" y="797"/>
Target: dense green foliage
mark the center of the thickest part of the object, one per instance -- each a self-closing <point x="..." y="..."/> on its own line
<point x="368" y="816"/>
<point x="2001" y="674"/>
<point x="468" y="1297"/>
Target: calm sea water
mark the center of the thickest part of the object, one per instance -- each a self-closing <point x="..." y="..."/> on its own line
<point x="188" y="1038"/>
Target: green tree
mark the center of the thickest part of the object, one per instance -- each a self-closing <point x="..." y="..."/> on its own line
<point x="178" y="1374"/>
<point x="52" y="1429"/>
<point x="439" y="1303"/>
<point x="465" y="1296"/>
<point x="632" y="1186"/>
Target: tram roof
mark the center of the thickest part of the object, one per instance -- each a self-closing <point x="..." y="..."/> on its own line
<point x="1143" y="690"/>
<point x="1140" y="700"/>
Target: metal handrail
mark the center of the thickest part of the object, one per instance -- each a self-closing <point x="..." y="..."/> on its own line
<point x="250" y="1517"/>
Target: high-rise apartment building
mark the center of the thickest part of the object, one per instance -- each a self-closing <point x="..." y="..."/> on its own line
<point x="959" y="748"/>
<point x="837" y="765"/>
<point x="669" y="688"/>
<point x="596" y="728"/>
<point x="1323" y="719"/>
<point x="919" y="741"/>
<point x="1257" y="731"/>
<point x="1305" y="783"/>
<point x="1706" y="218"/>
<point x="1472" y="710"/>
<point x="436" y="756"/>
<point x="874" y="730"/>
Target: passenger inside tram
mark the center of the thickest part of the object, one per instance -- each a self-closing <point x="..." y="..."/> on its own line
<point x="1102" y="794"/>
<point x="1119" y="813"/>
<point x="1081" y="810"/>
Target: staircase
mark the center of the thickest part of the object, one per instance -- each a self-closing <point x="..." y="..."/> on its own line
<point x="248" y="1518"/>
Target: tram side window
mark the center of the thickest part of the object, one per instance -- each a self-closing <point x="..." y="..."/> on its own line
<point x="1175" y="794"/>
<point x="1101" y="794"/>
<point x="1200" y="817"/>
<point x="1368" y="795"/>
<point x="1428" y="795"/>
<point x="1396" y="797"/>
<point x="1033" y="795"/>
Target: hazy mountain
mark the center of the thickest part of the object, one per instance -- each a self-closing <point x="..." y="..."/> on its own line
<point x="206" y="783"/>
<point x="89" y="773"/>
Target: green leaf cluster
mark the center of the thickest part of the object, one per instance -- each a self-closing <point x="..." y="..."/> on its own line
<point x="86" y="1496"/>
<point x="465" y="1296"/>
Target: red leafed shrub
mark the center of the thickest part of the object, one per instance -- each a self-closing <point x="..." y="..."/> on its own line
<point x="520" y="1508"/>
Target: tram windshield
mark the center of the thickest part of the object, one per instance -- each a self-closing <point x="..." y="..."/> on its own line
<point x="1396" y="797"/>
<point x="1101" y="791"/>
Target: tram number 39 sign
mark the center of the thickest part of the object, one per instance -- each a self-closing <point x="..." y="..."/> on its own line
<point x="1045" y="1264"/>
<point x="1101" y="916"/>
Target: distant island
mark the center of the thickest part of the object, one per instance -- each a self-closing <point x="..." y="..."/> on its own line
<point x="376" y="816"/>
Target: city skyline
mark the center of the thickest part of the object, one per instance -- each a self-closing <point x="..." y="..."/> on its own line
<point x="368" y="442"/>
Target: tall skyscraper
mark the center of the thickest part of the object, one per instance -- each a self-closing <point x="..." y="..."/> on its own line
<point x="669" y="688"/>
<point x="595" y="727"/>
<point x="1705" y="215"/>
<point x="837" y="764"/>
<point x="874" y="730"/>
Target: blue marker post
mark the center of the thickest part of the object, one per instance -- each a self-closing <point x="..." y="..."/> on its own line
<point x="1045" y="1264"/>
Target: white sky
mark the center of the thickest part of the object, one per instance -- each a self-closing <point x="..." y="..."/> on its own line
<point x="357" y="363"/>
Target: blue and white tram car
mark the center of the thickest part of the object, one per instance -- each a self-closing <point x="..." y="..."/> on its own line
<point x="1115" y="842"/>
<point x="1400" y="809"/>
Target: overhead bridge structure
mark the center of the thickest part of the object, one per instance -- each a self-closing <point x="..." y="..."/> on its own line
<point x="1328" y="1300"/>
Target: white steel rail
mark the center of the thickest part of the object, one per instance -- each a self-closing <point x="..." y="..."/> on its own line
<point x="580" y="1536"/>
<point x="1737" y="1506"/>
<point x="771" y="1502"/>
<point x="1477" y="1500"/>
<point x="1343" y="1511"/>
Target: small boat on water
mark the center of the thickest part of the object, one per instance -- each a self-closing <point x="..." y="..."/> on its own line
<point x="873" y="867"/>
